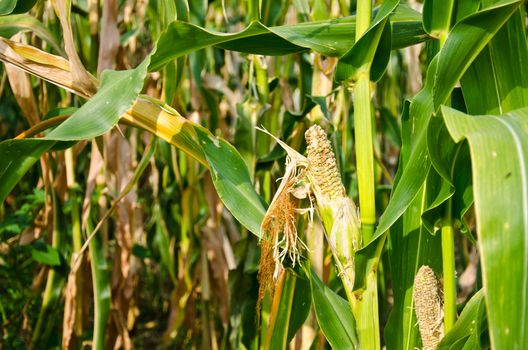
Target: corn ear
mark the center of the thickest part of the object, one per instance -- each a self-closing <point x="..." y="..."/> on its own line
<point x="337" y="211"/>
<point x="428" y="307"/>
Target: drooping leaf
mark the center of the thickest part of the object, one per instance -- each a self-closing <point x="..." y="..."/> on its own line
<point x="499" y="155"/>
<point x="17" y="157"/>
<point x="334" y="315"/>
<point x="463" y="44"/>
<point x="118" y="92"/>
<point x="277" y="337"/>
<point x="301" y="306"/>
<point x="7" y="6"/>
<point x="509" y="54"/>
<point x="232" y="181"/>
<point x="10" y="25"/>
<point x="329" y="37"/>
<point x="361" y="55"/>
<point x="45" y="253"/>
<point x="467" y="331"/>
<point x="437" y="16"/>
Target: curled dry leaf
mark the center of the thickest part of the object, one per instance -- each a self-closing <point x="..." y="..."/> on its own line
<point x="21" y="87"/>
<point x="109" y="36"/>
<point x="81" y="77"/>
<point x="54" y="69"/>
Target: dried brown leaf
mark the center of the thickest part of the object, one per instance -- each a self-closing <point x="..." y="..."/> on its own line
<point x="109" y="36"/>
<point x="21" y="87"/>
<point x="80" y="75"/>
<point x="52" y="68"/>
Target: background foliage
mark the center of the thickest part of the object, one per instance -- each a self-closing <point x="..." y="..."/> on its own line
<point x="134" y="182"/>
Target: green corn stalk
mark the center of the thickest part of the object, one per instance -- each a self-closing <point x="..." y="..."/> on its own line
<point x="73" y="188"/>
<point x="54" y="284"/>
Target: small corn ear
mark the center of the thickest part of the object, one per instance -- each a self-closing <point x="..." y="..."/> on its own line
<point x="428" y="307"/>
<point x="323" y="166"/>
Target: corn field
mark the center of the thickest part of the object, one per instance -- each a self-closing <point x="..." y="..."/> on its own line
<point x="263" y="174"/>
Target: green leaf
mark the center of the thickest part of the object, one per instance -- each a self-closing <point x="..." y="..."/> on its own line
<point x="499" y="154"/>
<point x="118" y="92"/>
<point x="10" y="25"/>
<point x="331" y="37"/>
<point x="333" y="315"/>
<point x="101" y="288"/>
<point x="464" y="43"/>
<point x="278" y="338"/>
<point x="45" y="254"/>
<point x="469" y="326"/>
<point x="509" y="54"/>
<point x="437" y="16"/>
<point x="15" y="6"/>
<point x="17" y="157"/>
<point x="232" y="181"/>
<point x="7" y="6"/>
<point x="479" y="86"/>
<point x="361" y="55"/>
<point x="301" y="306"/>
<point x="409" y="246"/>
<point x="24" y="6"/>
<point x="191" y="37"/>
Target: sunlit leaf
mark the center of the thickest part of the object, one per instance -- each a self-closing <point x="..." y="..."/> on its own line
<point x="499" y="156"/>
<point x="333" y="315"/>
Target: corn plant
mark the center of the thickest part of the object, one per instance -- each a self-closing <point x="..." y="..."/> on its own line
<point x="264" y="174"/>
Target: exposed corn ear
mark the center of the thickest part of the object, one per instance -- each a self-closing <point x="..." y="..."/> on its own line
<point x="428" y="307"/>
<point x="337" y="211"/>
<point x="323" y="166"/>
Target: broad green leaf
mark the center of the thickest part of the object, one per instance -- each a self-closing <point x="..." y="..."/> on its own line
<point x="17" y="157"/>
<point x="437" y="16"/>
<point x="7" y="6"/>
<point x="416" y="163"/>
<point x="45" y="253"/>
<point x="23" y="6"/>
<point x="499" y="154"/>
<point x="334" y="315"/>
<point x="118" y="92"/>
<point x="329" y="37"/>
<point x="10" y="25"/>
<point x="464" y="44"/>
<point x="465" y="8"/>
<point x="465" y="41"/>
<point x="301" y="306"/>
<point x="191" y="37"/>
<point x="232" y="181"/>
<point x="409" y="246"/>
<point x="278" y="329"/>
<point x="469" y="327"/>
<point x="509" y="54"/>
<point x="479" y="86"/>
<point x="361" y="55"/>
